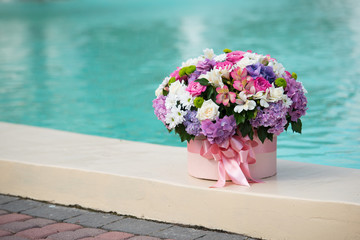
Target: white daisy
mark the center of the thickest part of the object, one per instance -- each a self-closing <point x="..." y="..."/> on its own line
<point x="159" y="90"/>
<point x="220" y="58"/>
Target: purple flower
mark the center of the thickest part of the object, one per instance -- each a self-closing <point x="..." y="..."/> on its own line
<point x="219" y="131"/>
<point x="194" y="76"/>
<point x="159" y="108"/>
<point x="202" y="68"/>
<point x="254" y="70"/>
<point x="295" y="92"/>
<point x="259" y="70"/>
<point x="205" y="66"/>
<point x="274" y="117"/>
<point x="192" y="124"/>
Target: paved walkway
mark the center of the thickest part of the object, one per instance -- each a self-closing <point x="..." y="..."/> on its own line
<point x="23" y="219"/>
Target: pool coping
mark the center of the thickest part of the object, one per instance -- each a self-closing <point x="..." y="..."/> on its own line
<point x="303" y="201"/>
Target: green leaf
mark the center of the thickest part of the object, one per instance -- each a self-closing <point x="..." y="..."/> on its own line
<point x="245" y="128"/>
<point x="239" y="117"/>
<point x="286" y="126"/>
<point x="203" y="81"/>
<point x="270" y="136"/>
<point x="288" y="119"/>
<point x="296" y="126"/>
<point x="171" y="80"/>
<point x="251" y="114"/>
<point x="251" y="134"/>
<point x="262" y="133"/>
<point x="226" y="50"/>
<point x="184" y="136"/>
<point x="210" y="92"/>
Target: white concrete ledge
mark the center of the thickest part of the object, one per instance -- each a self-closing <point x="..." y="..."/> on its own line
<point x="304" y="201"/>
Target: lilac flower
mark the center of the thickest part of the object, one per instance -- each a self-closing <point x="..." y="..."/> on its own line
<point x="194" y="76"/>
<point x="259" y="70"/>
<point x="205" y="66"/>
<point x="192" y="124"/>
<point x="219" y="131"/>
<point x="273" y="116"/>
<point x="295" y="92"/>
<point x="159" y="108"/>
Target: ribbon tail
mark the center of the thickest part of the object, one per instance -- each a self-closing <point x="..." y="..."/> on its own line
<point x="234" y="171"/>
<point x="245" y="168"/>
<point x="222" y="176"/>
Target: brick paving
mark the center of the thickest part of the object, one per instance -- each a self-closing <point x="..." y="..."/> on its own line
<point x="24" y="219"/>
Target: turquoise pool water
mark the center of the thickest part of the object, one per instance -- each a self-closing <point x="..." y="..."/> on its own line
<point x="92" y="66"/>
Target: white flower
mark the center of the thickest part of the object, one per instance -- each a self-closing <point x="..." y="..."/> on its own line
<point x="244" y="62"/>
<point x="191" y="61"/>
<point x="243" y="103"/>
<point x="254" y="57"/>
<point x="264" y="103"/>
<point x="225" y="72"/>
<point x="209" y="53"/>
<point x="277" y="67"/>
<point x="220" y="58"/>
<point x="214" y="77"/>
<point x="175" y="117"/>
<point x="208" y="110"/>
<point x="186" y="100"/>
<point x="177" y="88"/>
<point x="262" y="96"/>
<point x="275" y="94"/>
<point x="286" y="101"/>
<point x="170" y="101"/>
<point x="159" y="90"/>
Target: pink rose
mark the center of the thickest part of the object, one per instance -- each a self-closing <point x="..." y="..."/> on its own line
<point x="224" y="65"/>
<point x="261" y="84"/>
<point x="195" y="88"/>
<point x="235" y="56"/>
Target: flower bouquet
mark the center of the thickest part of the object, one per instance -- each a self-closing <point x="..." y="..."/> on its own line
<point x="227" y="105"/>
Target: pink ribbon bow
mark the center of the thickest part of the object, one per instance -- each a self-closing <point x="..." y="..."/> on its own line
<point x="233" y="156"/>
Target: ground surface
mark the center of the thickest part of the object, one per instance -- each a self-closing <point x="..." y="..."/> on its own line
<point x="23" y="219"/>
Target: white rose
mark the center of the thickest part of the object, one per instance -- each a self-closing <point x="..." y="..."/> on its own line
<point x="276" y="94"/>
<point x="209" y="110"/>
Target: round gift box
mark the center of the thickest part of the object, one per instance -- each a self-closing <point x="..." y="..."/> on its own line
<point x="265" y="165"/>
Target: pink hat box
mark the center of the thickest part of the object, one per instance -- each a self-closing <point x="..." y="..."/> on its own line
<point x="265" y="165"/>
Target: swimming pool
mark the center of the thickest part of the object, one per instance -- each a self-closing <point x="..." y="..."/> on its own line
<point x="92" y="66"/>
